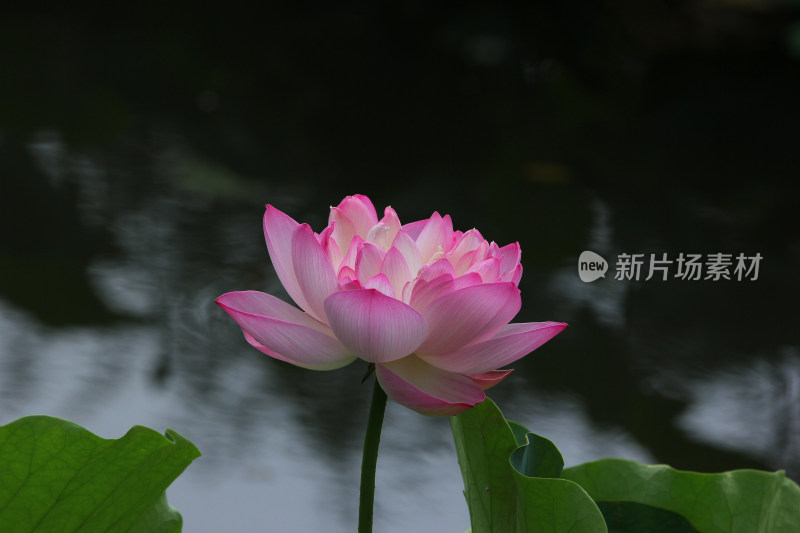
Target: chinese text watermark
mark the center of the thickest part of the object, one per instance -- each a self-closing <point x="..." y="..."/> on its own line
<point x="688" y="267"/>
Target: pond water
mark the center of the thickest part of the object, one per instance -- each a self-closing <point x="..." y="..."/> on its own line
<point x="119" y="233"/>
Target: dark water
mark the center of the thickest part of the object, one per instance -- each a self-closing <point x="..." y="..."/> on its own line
<point x="136" y="159"/>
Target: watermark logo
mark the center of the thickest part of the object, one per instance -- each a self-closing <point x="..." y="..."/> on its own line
<point x="686" y="267"/>
<point x="591" y="266"/>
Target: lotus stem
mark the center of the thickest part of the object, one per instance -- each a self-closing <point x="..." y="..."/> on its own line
<point x="370" y="458"/>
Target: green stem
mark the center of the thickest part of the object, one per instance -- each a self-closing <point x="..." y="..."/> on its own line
<point x="370" y="458"/>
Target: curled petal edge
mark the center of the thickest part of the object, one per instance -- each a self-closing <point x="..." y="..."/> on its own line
<point x="464" y="393"/>
<point x="288" y="339"/>
<point x="511" y="343"/>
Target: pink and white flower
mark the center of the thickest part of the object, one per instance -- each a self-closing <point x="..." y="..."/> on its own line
<point x="429" y="306"/>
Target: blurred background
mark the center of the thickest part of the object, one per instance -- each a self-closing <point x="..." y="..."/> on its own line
<point x="138" y="147"/>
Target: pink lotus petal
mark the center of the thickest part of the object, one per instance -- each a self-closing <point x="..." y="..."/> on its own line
<point x="330" y="246"/>
<point x="343" y="229"/>
<point x="466" y="261"/>
<point x="275" y="355"/>
<point x="517" y="275"/>
<point x="379" y="236"/>
<point x="489" y="269"/>
<point x="423" y="293"/>
<point x="406" y="246"/>
<point x="349" y="284"/>
<point x="278" y="230"/>
<point x="380" y="283"/>
<point x="511" y="343"/>
<point x="510" y="254"/>
<point x="407" y="290"/>
<point x="457" y="236"/>
<point x="396" y="270"/>
<point x="391" y="220"/>
<point x="413" y="229"/>
<point x="349" y="260"/>
<point x="374" y="326"/>
<point x="426" y="389"/>
<point x="297" y="342"/>
<point x="346" y="272"/>
<point x="261" y="303"/>
<point x="487" y="380"/>
<point x="467" y="280"/>
<point x="368" y="261"/>
<point x="314" y="272"/>
<point x="434" y="236"/>
<point x="327" y="365"/>
<point x="468" y="315"/>
<point x="360" y="211"/>
<point x="449" y="234"/>
<point x="436" y="269"/>
<point x="469" y="242"/>
<point x="325" y="234"/>
<point x="384" y="232"/>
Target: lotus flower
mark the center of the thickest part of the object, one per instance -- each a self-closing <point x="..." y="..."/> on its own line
<point x="429" y="306"/>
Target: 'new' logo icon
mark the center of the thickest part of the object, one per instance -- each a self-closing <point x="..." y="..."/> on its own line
<point x="591" y="266"/>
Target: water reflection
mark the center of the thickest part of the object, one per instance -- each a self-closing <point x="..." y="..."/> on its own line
<point x="753" y="408"/>
<point x="622" y="381"/>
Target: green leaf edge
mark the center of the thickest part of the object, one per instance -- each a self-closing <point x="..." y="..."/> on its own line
<point x="529" y="492"/>
<point x="142" y="521"/>
<point x="689" y="494"/>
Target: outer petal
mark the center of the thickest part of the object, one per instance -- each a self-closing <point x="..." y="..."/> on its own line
<point x="261" y="303"/>
<point x="278" y="230"/>
<point x="374" y="326"/>
<point x="426" y="389"/>
<point x="487" y="380"/>
<point x="284" y="332"/>
<point x="313" y="270"/>
<point x="510" y="344"/>
<point x="468" y="315"/>
<point x="272" y="353"/>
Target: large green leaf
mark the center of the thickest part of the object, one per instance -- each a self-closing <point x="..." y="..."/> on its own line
<point x="515" y="483"/>
<point x="740" y="501"/>
<point x="484" y="442"/>
<point x="503" y="499"/>
<point x="57" y="476"/>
